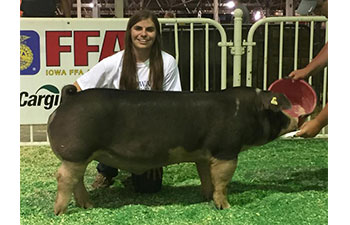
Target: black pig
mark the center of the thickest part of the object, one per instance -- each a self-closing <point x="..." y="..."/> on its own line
<point x="140" y="130"/>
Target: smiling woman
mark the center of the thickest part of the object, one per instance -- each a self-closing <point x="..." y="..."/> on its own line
<point x="142" y="42"/>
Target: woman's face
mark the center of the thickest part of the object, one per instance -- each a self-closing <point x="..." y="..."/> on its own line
<point x="143" y="34"/>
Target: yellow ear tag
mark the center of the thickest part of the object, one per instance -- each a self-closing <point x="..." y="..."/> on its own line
<point x="274" y="101"/>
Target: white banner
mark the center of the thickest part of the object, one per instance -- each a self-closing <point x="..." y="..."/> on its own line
<point x="55" y="52"/>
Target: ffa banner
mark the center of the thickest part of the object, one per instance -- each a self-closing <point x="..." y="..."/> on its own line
<point x="55" y="52"/>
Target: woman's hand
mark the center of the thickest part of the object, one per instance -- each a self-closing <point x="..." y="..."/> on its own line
<point x="309" y="129"/>
<point x="299" y="74"/>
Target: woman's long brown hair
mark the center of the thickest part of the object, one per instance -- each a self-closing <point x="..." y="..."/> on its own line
<point x="128" y="80"/>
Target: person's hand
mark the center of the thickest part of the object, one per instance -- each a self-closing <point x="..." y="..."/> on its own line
<point x="309" y="129"/>
<point x="154" y="173"/>
<point x="299" y="74"/>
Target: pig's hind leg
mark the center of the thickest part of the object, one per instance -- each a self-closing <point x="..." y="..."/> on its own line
<point x="69" y="179"/>
<point x="81" y="195"/>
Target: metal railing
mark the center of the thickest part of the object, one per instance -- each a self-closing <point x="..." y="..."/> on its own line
<point x="223" y="44"/>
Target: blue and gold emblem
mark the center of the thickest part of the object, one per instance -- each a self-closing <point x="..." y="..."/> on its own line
<point x="30" y="53"/>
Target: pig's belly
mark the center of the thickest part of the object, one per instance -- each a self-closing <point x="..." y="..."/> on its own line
<point x="137" y="166"/>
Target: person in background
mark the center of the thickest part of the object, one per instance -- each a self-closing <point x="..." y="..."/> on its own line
<point x="246" y="15"/>
<point x="38" y="8"/>
<point x="66" y="6"/>
<point x="44" y="8"/>
<point x="142" y="65"/>
<point x="312" y="7"/>
<point x="20" y="10"/>
<point x="313" y="127"/>
<point x="321" y="8"/>
<point x="169" y="14"/>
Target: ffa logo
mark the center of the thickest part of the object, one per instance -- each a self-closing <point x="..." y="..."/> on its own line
<point x="30" y="53"/>
<point x="26" y="54"/>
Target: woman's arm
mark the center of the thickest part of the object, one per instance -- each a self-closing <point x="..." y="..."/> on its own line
<point x="319" y="62"/>
<point x="172" y="81"/>
<point x="77" y="86"/>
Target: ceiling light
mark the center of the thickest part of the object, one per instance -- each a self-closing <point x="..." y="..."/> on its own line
<point x="230" y="4"/>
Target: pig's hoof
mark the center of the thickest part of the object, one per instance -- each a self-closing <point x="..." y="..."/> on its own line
<point x="59" y="210"/>
<point x="85" y="204"/>
<point x="223" y="204"/>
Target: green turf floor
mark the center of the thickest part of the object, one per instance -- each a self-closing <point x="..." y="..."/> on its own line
<point x="284" y="182"/>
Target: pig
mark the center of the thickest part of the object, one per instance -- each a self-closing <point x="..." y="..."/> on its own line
<point x="140" y="130"/>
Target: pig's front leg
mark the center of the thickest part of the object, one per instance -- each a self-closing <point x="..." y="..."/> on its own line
<point x="203" y="169"/>
<point x="221" y="174"/>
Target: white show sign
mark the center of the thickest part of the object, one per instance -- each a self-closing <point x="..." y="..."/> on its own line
<point x="55" y="52"/>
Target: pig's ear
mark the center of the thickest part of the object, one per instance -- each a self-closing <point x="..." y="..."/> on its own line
<point x="274" y="101"/>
